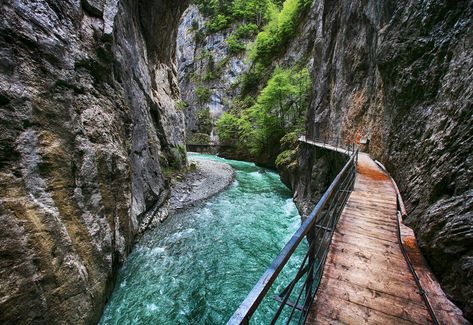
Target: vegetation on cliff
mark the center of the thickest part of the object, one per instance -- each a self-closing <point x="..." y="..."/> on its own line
<point x="278" y="110"/>
<point x="272" y="100"/>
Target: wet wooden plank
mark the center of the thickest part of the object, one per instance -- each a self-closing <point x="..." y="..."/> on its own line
<point x="377" y="300"/>
<point x="336" y="309"/>
<point x="366" y="279"/>
<point x="386" y="262"/>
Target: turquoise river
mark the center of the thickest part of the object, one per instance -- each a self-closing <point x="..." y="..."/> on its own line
<point x="199" y="265"/>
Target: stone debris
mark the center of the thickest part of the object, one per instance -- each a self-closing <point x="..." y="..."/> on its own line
<point x="208" y="179"/>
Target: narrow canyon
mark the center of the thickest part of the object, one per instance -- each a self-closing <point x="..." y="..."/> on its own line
<point x="101" y="100"/>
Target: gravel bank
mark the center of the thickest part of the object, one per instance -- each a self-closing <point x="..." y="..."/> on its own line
<point x="208" y="179"/>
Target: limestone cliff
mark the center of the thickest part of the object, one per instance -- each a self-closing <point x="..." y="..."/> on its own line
<point x="208" y="72"/>
<point x="400" y="74"/>
<point x="88" y="122"/>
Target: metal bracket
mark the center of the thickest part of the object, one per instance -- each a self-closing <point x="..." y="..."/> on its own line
<point x="288" y="303"/>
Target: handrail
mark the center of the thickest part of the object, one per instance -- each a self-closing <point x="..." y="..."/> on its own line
<point x="401" y="214"/>
<point x="337" y="143"/>
<point x="318" y="228"/>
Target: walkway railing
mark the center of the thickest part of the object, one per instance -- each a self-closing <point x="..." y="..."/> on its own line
<point x="334" y="143"/>
<point x="296" y="299"/>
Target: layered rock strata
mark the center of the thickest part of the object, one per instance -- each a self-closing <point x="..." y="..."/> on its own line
<point x="88" y="122"/>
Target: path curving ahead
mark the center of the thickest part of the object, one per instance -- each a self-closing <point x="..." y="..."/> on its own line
<point x="366" y="279"/>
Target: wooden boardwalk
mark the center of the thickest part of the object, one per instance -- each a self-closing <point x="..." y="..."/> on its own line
<point x="366" y="279"/>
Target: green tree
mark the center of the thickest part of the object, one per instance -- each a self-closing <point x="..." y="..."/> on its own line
<point x="204" y="120"/>
<point x="278" y="110"/>
<point x="227" y="128"/>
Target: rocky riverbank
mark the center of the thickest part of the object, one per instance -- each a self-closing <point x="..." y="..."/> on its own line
<point x="207" y="179"/>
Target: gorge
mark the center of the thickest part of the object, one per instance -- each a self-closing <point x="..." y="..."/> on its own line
<point x="98" y="99"/>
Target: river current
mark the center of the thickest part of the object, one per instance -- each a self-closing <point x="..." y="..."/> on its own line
<point x="199" y="265"/>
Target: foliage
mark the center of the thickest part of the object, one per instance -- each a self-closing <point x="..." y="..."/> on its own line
<point x="252" y="79"/>
<point x="246" y="31"/>
<point x="278" y="110"/>
<point x="211" y="74"/>
<point x="289" y="141"/>
<point x="235" y="45"/>
<point x="217" y="23"/>
<point x="203" y="94"/>
<point x="204" y="120"/>
<point x="194" y="25"/>
<point x="253" y="11"/>
<point x="227" y="128"/>
<point x="286" y="158"/>
<point x="243" y="32"/>
<point x="178" y="158"/>
<point x="199" y="138"/>
<point x="280" y="29"/>
<point x="181" y="105"/>
<point x="199" y="36"/>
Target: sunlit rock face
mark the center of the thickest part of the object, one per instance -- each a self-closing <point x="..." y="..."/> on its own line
<point x="88" y="121"/>
<point x="400" y="74"/>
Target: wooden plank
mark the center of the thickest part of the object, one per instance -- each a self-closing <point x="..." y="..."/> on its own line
<point x="369" y="216"/>
<point x="366" y="244"/>
<point x="322" y="319"/>
<point x="364" y="236"/>
<point x="370" y="230"/>
<point x="372" y="207"/>
<point x="390" y="261"/>
<point x="348" y="312"/>
<point x="356" y="206"/>
<point x="378" y="223"/>
<point x="357" y="199"/>
<point x="366" y="279"/>
<point x="372" y="278"/>
<point x="380" y="301"/>
<point x="368" y="219"/>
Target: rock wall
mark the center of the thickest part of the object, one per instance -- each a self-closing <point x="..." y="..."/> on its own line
<point x="204" y="61"/>
<point x="400" y="74"/>
<point x="88" y="121"/>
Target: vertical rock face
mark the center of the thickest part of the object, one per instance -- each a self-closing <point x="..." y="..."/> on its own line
<point x="88" y="121"/>
<point x="400" y="74"/>
<point x="205" y="62"/>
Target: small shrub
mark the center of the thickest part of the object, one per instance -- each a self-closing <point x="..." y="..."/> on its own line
<point x="199" y="36"/>
<point x="217" y="23"/>
<point x="178" y="157"/>
<point x="289" y="141"/>
<point x="235" y="46"/>
<point x="227" y="127"/>
<point x="246" y="31"/>
<point x="192" y="167"/>
<point x="203" y="94"/>
<point x="199" y="138"/>
<point x="181" y="105"/>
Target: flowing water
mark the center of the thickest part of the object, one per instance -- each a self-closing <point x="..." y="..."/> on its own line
<point x="199" y="265"/>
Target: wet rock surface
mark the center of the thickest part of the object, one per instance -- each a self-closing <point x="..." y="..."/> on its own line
<point x="208" y="179"/>
<point x="87" y="120"/>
